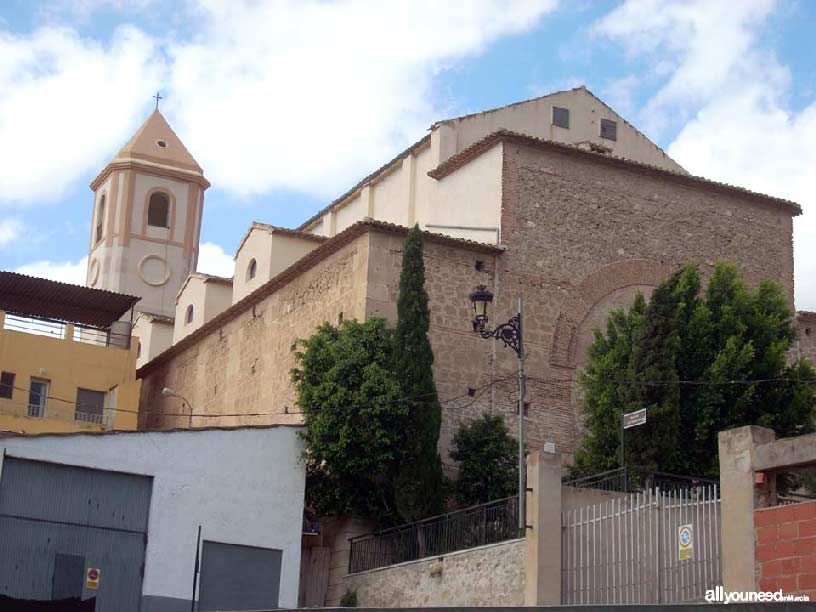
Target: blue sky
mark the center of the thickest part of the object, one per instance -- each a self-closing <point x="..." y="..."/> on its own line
<point x="286" y="104"/>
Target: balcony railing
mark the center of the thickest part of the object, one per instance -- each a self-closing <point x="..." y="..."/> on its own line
<point x="59" y="330"/>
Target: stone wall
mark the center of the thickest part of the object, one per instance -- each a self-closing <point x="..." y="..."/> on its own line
<point x="580" y="238"/>
<point x="805" y="344"/>
<point x="491" y="575"/>
<point x="241" y="367"/>
<point x="582" y="235"/>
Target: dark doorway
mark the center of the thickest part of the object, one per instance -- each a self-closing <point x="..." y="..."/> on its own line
<point x="237" y="577"/>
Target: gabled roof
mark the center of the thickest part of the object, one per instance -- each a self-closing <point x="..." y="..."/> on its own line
<point x="146" y="145"/>
<point x="481" y="146"/>
<point x="39" y="297"/>
<point x="207" y="278"/>
<point x="283" y="231"/>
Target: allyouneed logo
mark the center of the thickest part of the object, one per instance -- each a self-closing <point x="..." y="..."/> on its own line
<point x="720" y="595"/>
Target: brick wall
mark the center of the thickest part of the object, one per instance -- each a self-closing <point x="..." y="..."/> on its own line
<point x="786" y="548"/>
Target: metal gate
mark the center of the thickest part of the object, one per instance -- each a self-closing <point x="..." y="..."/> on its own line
<point x="58" y="521"/>
<point x="627" y="550"/>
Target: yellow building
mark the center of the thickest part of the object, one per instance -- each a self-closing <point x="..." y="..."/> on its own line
<point x="67" y="362"/>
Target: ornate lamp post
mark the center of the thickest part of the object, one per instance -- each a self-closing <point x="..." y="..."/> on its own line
<point x="512" y="335"/>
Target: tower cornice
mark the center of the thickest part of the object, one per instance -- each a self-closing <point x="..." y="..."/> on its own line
<point x="149" y="167"/>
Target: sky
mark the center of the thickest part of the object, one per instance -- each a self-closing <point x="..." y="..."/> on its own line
<point x="287" y="103"/>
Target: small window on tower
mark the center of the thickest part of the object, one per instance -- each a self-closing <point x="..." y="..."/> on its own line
<point x="157" y="209"/>
<point x="188" y="318"/>
<point x="252" y="269"/>
<point x="560" y="117"/>
<point x="100" y="218"/>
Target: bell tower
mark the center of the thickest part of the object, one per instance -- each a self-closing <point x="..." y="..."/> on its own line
<point x="146" y="221"/>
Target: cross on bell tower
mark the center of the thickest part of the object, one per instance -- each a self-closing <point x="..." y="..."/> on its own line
<point x="157" y="97"/>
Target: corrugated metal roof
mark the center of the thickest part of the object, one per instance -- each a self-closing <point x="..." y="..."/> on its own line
<point x="39" y="297"/>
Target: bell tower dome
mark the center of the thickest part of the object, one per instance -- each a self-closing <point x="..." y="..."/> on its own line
<point x="146" y="221"/>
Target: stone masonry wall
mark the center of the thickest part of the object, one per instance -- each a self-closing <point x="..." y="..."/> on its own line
<point x="805" y="345"/>
<point x="243" y="367"/>
<point x="786" y="548"/>
<point x="579" y="233"/>
<point x="491" y="575"/>
<point x="581" y="238"/>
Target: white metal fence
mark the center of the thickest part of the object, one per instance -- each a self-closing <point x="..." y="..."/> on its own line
<point x="627" y="551"/>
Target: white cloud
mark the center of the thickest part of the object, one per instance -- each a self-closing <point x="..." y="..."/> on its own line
<point x="311" y="95"/>
<point x="213" y="260"/>
<point x="10" y="229"/>
<point x="65" y="271"/>
<point x="66" y="105"/>
<point x="306" y="95"/>
<point x="728" y="95"/>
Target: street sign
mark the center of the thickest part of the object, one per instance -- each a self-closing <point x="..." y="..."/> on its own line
<point x="685" y="542"/>
<point x="633" y="419"/>
<point x="92" y="578"/>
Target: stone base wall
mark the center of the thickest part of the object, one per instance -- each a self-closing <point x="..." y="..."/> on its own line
<point x="492" y="575"/>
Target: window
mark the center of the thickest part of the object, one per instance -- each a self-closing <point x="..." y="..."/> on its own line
<point x="609" y="129"/>
<point x="252" y="270"/>
<point x="6" y="384"/>
<point x="188" y="318"/>
<point x="89" y="405"/>
<point x="37" y="397"/>
<point x="560" y="117"/>
<point x="157" y="209"/>
<point x="100" y="218"/>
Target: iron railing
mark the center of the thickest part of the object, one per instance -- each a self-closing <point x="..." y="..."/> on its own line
<point x="57" y="329"/>
<point x="637" y="479"/>
<point x="489" y="523"/>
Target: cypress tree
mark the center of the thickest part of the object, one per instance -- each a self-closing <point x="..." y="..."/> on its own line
<point x="419" y="487"/>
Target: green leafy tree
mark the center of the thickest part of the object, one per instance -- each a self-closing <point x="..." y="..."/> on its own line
<point x="728" y="340"/>
<point x="420" y="485"/>
<point x="355" y="423"/>
<point x="488" y="461"/>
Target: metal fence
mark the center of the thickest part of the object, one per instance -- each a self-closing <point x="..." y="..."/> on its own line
<point x="633" y="479"/>
<point x="483" y="524"/>
<point x="58" y="329"/>
<point x="626" y="550"/>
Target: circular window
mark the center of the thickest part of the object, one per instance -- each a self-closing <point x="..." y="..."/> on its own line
<point x="162" y="143"/>
<point x="153" y="270"/>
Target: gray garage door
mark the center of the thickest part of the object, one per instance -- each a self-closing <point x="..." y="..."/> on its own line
<point x="57" y="521"/>
<point x="238" y="577"/>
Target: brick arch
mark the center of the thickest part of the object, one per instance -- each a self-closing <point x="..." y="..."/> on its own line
<point x="592" y="289"/>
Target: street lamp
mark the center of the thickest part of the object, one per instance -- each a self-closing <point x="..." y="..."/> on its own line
<point x="168" y="392"/>
<point x="511" y="334"/>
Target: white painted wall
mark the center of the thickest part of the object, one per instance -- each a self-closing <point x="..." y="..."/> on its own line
<point x="243" y="486"/>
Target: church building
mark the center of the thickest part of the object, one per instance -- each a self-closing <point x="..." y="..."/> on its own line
<point x="557" y="199"/>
